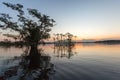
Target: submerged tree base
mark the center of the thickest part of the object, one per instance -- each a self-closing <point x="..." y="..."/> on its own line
<point x="23" y="72"/>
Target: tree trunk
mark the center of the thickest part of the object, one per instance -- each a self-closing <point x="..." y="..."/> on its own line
<point x="34" y="57"/>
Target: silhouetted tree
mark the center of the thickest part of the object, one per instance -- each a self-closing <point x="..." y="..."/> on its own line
<point x="31" y="28"/>
<point x="69" y="38"/>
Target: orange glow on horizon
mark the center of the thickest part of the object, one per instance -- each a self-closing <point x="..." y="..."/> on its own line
<point x="93" y="37"/>
<point x="80" y="38"/>
<point x="99" y="37"/>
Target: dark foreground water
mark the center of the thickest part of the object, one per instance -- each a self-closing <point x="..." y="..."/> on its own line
<point x="80" y="62"/>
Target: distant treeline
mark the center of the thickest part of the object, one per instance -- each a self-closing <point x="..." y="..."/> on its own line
<point x="21" y="43"/>
<point x="109" y="42"/>
<point x="9" y="43"/>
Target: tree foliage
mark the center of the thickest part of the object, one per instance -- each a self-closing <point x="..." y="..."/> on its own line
<point x="31" y="29"/>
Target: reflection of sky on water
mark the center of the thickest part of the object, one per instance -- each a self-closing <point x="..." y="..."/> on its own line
<point x="92" y="61"/>
<point x="82" y="49"/>
<point x="10" y="52"/>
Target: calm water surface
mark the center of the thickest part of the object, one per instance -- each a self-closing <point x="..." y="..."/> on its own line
<point x="80" y="62"/>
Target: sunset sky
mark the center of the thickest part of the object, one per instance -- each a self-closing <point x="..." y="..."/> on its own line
<point x="88" y="19"/>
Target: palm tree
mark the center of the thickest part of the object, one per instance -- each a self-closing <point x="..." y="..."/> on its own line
<point x="75" y="38"/>
<point x="61" y="38"/>
<point x="69" y="38"/>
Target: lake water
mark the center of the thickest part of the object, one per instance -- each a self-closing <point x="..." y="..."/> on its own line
<point x="80" y="62"/>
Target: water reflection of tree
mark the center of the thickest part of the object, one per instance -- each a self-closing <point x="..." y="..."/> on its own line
<point x="64" y="51"/>
<point x="35" y="56"/>
<point x="37" y="67"/>
<point x="39" y="62"/>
